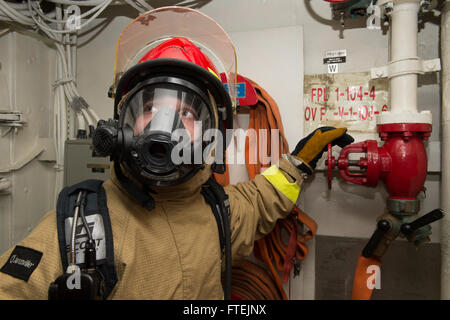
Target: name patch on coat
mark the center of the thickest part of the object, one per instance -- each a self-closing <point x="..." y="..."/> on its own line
<point x="22" y="262"/>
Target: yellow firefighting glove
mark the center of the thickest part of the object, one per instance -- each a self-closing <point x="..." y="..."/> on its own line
<point x="310" y="149"/>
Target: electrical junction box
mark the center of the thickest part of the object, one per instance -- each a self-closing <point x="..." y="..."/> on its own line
<point x="80" y="165"/>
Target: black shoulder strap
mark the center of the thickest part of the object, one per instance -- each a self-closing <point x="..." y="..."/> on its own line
<point x="214" y="194"/>
<point x="216" y="197"/>
<point x="97" y="216"/>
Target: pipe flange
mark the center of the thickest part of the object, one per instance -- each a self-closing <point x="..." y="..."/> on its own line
<point x="403" y="207"/>
<point x="385" y="130"/>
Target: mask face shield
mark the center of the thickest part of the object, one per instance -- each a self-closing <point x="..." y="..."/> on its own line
<point x="165" y="121"/>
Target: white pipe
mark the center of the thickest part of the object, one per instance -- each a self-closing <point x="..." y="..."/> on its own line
<point x="404" y="30"/>
<point x="445" y="178"/>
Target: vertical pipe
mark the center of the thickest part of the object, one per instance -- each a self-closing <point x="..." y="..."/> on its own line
<point x="445" y="180"/>
<point x="404" y="29"/>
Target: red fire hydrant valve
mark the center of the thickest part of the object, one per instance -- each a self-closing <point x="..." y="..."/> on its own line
<point x="401" y="162"/>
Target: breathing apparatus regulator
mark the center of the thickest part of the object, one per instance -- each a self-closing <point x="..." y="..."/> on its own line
<point x="85" y="282"/>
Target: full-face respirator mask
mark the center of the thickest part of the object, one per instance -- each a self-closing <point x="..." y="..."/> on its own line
<point x="167" y="130"/>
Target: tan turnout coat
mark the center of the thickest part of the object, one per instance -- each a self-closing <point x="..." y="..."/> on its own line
<point x="171" y="252"/>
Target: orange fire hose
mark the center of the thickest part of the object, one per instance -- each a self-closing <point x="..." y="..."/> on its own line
<point x="276" y="255"/>
<point x="252" y="282"/>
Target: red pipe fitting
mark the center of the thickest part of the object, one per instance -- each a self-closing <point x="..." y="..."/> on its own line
<point x="401" y="162"/>
<point x="404" y="143"/>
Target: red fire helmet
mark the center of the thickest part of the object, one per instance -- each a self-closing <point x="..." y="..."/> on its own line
<point x="183" y="49"/>
<point x="158" y="43"/>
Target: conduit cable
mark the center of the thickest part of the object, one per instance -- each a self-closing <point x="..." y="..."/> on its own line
<point x="86" y="3"/>
<point x="145" y="5"/>
<point x="15" y="15"/>
<point x="135" y="6"/>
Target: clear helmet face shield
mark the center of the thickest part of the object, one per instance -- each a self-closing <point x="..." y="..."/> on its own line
<point x="170" y="125"/>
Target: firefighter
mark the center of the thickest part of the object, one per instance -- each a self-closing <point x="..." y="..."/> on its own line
<point x="164" y="241"/>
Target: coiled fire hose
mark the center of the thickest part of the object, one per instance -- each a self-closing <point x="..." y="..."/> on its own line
<point x="251" y="281"/>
